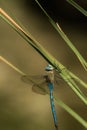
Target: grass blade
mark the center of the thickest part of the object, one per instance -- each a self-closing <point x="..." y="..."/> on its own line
<point x="65" y="75"/>
<point x="78" y="7"/>
<point x="65" y="38"/>
<point x="78" y="80"/>
<point x="73" y="48"/>
<point x="71" y="112"/>
<point x="11" y="65"/>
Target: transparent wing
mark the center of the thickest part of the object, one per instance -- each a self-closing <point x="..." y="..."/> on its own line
<point x="58" y="78"/>
<point x="38" y="82"/>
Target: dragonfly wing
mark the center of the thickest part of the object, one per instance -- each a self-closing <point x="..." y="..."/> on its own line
<point x="32" y="79"/>
<point x="57" y="78"/>
<point x="26" y="79"/>
<point x="40" y="88"/>
<point x="38" y="82"/>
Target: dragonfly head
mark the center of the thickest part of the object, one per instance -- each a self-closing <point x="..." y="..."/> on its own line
<point x="49" y="67"/>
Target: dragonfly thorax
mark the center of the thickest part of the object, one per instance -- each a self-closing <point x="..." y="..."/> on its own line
<point x="49" y="77"/>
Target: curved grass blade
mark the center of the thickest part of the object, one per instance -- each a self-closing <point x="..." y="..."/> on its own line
<point x="78" y="7"/>
<point x="65" y="38"/>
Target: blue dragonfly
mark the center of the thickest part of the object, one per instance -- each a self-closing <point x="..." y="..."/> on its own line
<point x="39" y="87"/>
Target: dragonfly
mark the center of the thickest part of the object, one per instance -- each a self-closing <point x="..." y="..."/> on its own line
<point x="39" y="87"/>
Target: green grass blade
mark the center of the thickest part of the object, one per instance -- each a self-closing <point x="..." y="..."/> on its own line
<point x="65" y="38"/>
<point x="73" y="48"/>
<point x="65" y="75"/>
<point x="11" y="65"/>
<point x="57" y="65"/>
<point x="71" y="112"/>
<point x="78" y="7"/>
<point x="78" y="79"/>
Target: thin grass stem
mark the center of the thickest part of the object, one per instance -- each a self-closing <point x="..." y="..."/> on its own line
<point x="78" y="7"/>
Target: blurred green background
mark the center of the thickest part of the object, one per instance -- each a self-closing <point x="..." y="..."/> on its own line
<point x="20" y="108"/>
